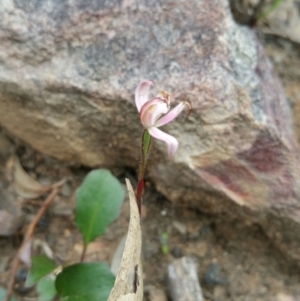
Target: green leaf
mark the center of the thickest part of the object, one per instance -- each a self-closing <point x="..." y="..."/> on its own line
<point x="46" y="288"/>
<point x="3" y="293"/>
<point x="41" y="266"/>
<point x="98" y="202"/>
<point x="85" y="282"/>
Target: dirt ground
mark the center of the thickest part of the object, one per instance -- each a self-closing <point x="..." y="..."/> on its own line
<point x="234" y="263"/>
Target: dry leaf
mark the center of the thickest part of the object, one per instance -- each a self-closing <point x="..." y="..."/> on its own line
<point x="117" y="257"/>
<point x="131" y="258"/>
<point x="24" y="185"/>
<point x="127" y="297"/>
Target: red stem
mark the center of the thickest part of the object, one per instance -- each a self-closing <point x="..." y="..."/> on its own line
<point x="146" y="141"/>
<point x="139" y="194"/>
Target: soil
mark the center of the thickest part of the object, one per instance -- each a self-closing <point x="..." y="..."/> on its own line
<point x="234" y="263"/>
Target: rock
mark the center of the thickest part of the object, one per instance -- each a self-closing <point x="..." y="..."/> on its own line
<point x="183" y="282"/>
<point x="180" y="227"/>
<point x="66" y="190"/>
<point x="176" y="252"/>
<point x="285" y="21"/>
<point x="62" y="208"/>
<point x="21" y="274"/>
<point x="45" y="181"/>
<point x="212" y="275"/>
<point x="68" y="71"/>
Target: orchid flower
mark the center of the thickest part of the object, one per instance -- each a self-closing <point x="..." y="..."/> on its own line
<point x="155" y="113"/>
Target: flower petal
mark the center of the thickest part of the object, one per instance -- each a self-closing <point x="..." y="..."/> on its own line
<point x="152" y="110"/>
<point x="142" y="93"/>
<point x="170" y="140"/>
<point x="171" y="115"/>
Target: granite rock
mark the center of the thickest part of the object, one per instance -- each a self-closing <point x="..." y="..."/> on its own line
<point x="68" y="70"/>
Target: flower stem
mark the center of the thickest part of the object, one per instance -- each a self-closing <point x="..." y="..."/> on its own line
<point x="139" y="194"/>
<point x="146" y="141"/>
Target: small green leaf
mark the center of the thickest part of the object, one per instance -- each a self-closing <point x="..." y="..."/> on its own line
<point x="41" y="266"/>
<point x="98" y="202"/>
<point x="3" y="293"/>
<point x="84" y="282"/>
<point x="164" y="242"/>
<point x="46" y="288"/>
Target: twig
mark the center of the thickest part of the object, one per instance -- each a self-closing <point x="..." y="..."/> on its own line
<point x="26" y="239"/>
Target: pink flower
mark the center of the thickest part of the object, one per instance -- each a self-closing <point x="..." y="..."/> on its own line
<point x="155" y="113"/>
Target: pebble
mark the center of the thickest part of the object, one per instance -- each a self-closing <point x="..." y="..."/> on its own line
<point x="164" y="212"/>
<point x="212" y="275"/>
<point x="176" y="252"/>
<point x="46" y="181"/>
<point x="21" y="274"/>
<point x="66" y="190"/>
<point x="180" y="227"/>
<point x="62" y="209"/>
